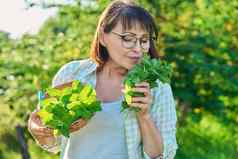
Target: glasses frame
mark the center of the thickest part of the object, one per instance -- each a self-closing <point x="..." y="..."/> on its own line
<point x="135" y="42"/>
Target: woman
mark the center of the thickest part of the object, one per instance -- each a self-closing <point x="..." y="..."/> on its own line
<point x="125" y="31"/>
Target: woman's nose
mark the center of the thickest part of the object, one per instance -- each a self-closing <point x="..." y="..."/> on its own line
<point x="138" y="47"/>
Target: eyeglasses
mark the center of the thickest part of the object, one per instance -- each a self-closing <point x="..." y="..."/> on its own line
<point x="130" y="41"/>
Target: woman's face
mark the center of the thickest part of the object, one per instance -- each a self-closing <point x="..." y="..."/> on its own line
<point x="126" y="47"/>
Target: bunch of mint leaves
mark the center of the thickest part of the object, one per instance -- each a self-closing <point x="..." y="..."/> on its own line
<point x="64" y="106"/>
<point x="148" y="70"/>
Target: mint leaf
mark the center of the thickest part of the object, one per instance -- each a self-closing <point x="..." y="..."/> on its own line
<point x="148" y="70"/>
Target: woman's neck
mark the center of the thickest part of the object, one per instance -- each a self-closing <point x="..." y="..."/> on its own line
<point x="112" y="71"/>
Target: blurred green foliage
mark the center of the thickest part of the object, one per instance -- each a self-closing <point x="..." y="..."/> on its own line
<point x="199" y="38"/>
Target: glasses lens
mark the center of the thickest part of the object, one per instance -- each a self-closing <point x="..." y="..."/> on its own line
<point x="145" y="44"/>
<point x="128" y="44"/>
<point x="128" y="41"/>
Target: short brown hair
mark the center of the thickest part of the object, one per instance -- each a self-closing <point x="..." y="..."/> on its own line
<point x="128" y="13"/>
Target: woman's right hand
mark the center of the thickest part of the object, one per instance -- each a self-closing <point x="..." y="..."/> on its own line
<point x="43" y="134"/>
<point x="39" y="131"/>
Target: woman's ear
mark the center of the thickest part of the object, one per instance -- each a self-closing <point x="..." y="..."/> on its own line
<point x="102" y="37"/>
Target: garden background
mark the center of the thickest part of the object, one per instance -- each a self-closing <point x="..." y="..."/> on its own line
<point x="198" y="37"/>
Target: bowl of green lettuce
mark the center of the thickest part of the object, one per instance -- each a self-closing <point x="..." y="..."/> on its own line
<point x="63" y="106"/>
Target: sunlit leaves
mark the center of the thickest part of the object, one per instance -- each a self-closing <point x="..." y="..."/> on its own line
<point x="64" y="106"/>
<point x="148" y="70"/>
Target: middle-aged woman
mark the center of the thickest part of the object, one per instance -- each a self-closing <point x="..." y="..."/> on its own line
<point x="125" y="31"/>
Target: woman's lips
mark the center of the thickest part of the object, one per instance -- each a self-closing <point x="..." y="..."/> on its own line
<point x="135" y="59"/>
<point x="135" y="56"/>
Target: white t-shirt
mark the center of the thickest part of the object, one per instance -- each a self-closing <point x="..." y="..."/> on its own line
<point x="102" y="138"/>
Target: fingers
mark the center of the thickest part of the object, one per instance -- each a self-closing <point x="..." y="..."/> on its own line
<point x="34" y="117"/>
<point x="144" y="100"/>
<point x="77" y="125"/>
<point x="43" y="132"/>
<point x="142" y="87"/>
<point x="40" y="130"/>
<point x="146" y="91"/>
<point x="142" y="106"/>
<point x="36" y="127"/>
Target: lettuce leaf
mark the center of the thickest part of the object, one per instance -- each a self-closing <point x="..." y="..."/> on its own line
<point x="64" y="106"/>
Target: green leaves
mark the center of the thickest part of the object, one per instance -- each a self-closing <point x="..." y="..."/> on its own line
<point x="64" y="106"/>
<point x="148" y="70"/>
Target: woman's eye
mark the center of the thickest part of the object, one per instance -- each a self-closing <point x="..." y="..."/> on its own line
<point x="127" y="38"/>
<point x="144" y="41"/>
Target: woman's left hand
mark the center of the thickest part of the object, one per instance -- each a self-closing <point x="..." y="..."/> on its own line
<point x="142" y="102"/>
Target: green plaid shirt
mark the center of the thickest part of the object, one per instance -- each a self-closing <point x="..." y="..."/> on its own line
<point x="162" y="111"/>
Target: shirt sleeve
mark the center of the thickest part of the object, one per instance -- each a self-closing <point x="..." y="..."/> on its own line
<point x="164" y="116"/>
<point x="66" y="73"/>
